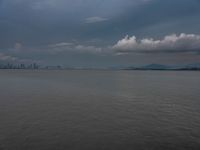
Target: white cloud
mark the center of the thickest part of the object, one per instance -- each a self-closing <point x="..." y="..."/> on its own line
<point x="95" y="19"/>
<point x="18" y="46"/>
<point x="170" y="43"/>
<point x="4" y="57"/>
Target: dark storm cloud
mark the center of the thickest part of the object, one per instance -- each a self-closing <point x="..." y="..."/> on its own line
<point x="81" y="29"/>
<point x="42" y="21"/>
<point x="159" y="13"/>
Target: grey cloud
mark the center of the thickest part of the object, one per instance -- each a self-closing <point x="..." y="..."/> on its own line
<point x="4" y="57"/>
<point x="63" y="44"/>
<point x="95" y="19"/>
<point x="13" y="59"/>
<point x="72" y="47"/>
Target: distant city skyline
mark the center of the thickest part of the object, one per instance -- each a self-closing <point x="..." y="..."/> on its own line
<point x="99" y="33"/>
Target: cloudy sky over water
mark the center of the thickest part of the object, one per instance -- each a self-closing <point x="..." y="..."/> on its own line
<point x="100" y="33"/>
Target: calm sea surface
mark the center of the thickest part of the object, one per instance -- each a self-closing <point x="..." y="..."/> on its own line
<point x="99" y="110"/>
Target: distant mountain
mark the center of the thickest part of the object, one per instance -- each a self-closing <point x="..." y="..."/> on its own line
<point x="194" y="66"/>
<point x="149" y="67"/>
<point x="156" y="67"/>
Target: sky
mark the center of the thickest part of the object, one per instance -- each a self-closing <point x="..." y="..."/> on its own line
<point x="99" y="33"/>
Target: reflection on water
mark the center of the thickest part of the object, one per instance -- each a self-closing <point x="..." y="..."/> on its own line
<point x="99" y="110"/>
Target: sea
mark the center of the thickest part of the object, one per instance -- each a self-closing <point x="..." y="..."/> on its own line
<point x="99" y="110"/>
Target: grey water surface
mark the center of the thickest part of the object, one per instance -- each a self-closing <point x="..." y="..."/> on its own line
<point x="99" y="110"/>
